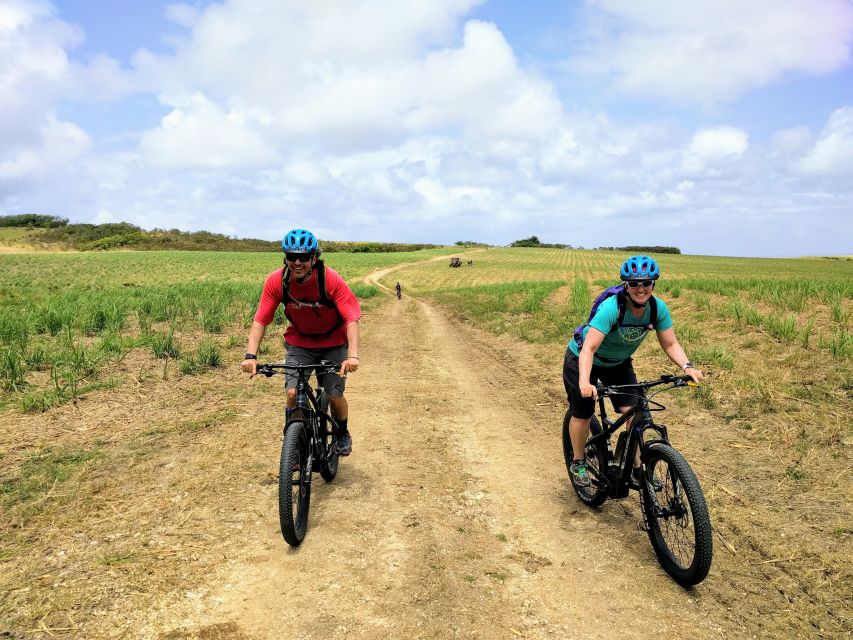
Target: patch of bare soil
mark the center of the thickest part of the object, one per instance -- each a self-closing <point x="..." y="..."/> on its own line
<point x="452" y="518"/>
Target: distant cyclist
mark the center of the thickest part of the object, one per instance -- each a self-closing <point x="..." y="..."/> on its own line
<point x="323" y="315"/>
<point x="602" y="351"/>
<point x="399" y="291"/>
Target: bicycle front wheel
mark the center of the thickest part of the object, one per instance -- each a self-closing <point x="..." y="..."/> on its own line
<point x="676" y="516"/>
<point x="294" y="484"/>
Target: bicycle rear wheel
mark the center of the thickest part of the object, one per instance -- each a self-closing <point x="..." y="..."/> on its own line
<point x="329" y="467"/>
<point x="593" y="495"/>
<point x="294" y="484"/>
<point x="676" y="516"/>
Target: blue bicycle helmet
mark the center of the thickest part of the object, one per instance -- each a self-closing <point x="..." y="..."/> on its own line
<point x="299" y="241"/>
<point x="639" y="268"/>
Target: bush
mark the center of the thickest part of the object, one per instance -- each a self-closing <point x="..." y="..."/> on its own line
<point x="32" y="220"/>
<point x="638" y="249"/>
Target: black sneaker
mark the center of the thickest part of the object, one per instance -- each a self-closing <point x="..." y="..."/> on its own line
<point x="343" y="445"/>
<point x="579" y="473"/>
<point x="653" y="482"/>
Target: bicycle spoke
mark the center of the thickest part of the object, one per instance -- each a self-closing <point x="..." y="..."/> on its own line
<point x="674" y="519"/>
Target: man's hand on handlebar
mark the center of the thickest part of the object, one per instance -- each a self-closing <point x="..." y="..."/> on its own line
<point x="350" y="365"/>
<point x="250" y="366"/>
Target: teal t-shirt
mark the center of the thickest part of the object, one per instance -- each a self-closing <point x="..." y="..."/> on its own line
<point x="619" y="345"/>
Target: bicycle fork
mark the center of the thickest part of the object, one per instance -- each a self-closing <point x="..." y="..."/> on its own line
<point x="304" y="479"/>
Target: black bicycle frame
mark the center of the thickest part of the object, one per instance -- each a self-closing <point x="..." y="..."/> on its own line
<point x="307" y="408"/>
<point x="616" y="476"/>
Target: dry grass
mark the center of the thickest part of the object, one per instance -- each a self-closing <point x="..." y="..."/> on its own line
<point x="105" y="500"/>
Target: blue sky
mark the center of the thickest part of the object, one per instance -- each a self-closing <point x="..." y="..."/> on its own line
<point x="722" y="127"/>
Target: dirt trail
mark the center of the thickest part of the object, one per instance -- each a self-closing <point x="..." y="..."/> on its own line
<point x="452" y="518"/>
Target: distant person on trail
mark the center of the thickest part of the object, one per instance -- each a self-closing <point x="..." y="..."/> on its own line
<point x="601" y="350"/>
<point x="399" y="290"/>
<point x="323" y="315"/>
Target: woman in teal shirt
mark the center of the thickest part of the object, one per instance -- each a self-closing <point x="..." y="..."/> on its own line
<point x="603" y="351"/>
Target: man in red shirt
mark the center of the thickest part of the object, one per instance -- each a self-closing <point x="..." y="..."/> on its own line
<point x="322" y="325"/>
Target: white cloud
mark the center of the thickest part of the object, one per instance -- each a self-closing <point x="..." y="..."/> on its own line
<point x="481" y="87"/>
<point x="183" y="14"/>
<point x="307" y="173"/>
<point x="199" y="135"/>
<point x="33" y="67"/>
<point x="58" y="145"/>
<point x="17" y="14"/>
<point x="832" y="153"/>
<point x="718" y="143"/>
<point x="708" y="51"/>
<point x="332" y="100"/>
<point x="104" y="217"/>
<point x="791" y="142"/>
<point x="713" y="148"/>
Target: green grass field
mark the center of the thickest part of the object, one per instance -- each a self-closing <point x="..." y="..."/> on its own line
<point x="66" y="316"/>
<point x="542" y="294"/>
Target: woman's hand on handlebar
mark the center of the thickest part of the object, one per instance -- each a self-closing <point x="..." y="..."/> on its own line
<point x="695" y="374"/>
<point x="588" y="390"/>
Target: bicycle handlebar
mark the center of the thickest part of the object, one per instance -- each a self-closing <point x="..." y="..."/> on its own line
<point x="271" y="368"/>
<point x="675" y="381"/>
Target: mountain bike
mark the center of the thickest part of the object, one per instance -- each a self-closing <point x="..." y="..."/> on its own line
<point x="675" y="514"/>
<point x="308" y="445"/>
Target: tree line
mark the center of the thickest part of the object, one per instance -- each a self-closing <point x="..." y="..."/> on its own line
<point x="51" y="230"/>
<point x="533" y="241"/>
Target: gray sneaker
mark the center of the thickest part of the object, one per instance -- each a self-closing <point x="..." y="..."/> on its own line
<point x="343" y="445"/>
<point x="579" y="473"/>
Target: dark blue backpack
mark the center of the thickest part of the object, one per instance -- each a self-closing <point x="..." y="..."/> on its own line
<point x="617" y="290"/>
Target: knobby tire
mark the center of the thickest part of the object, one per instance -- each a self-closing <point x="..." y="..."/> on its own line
<point x="677" y="516"/>
<point x="294" y="484"/>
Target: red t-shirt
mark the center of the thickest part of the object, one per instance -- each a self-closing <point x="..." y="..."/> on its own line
<point x="304" y="314"/>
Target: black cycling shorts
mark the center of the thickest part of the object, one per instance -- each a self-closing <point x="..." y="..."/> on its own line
<point x="622" y="373"/>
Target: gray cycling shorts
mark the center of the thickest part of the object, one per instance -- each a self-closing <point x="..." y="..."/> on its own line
<point x="332" y="383"/>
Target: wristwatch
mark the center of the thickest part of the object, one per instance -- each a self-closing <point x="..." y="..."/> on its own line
<point x="250" y="356"/>
<point x="688" y="365"/>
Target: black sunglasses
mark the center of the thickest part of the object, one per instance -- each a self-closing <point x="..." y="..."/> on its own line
<point x="640" y="283"/>
<point x="298" y="257"/>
